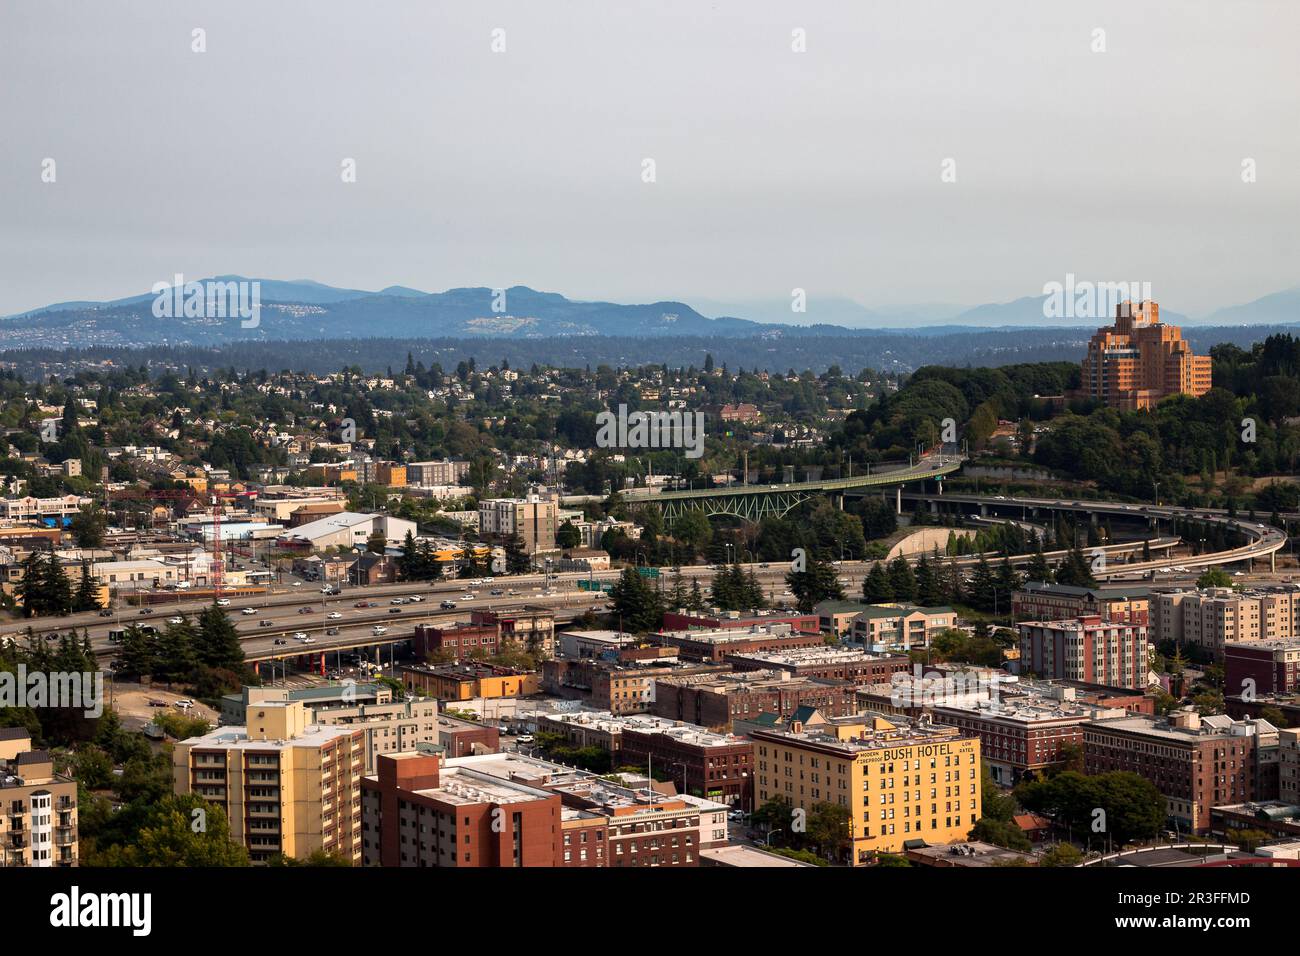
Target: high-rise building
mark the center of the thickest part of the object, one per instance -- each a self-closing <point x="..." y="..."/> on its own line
<point x="38" y="808"/>
<point x="1139" y="361"/>
<point x="532" y="519"/>
<point x="286" y="786"/>
<point x="1090" y="649"/>
<point x="1214" y="617"/>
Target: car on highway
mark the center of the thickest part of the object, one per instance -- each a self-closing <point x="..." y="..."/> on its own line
<point x="332" y="631"/>
<point x="397" y="601"/>
<point x="145" y="610"/>
<point x="496" y="592"/>
<point x="334" y="615"/>
<point x="279" y="642"/>
<point x="362" y="604"/>
<point x="304" y="610"/>
<point x="415" y="599"/>
<point x="299" y="635"/>
<point x="249" y="610"/>
<point x="448" y="605"/>
<point x="512" y="593"/>
<point x="467" y="597"/>
<point x="266" y="623"/>
<point x="379" y="629"/>
<point x="308" y="640"/>
<point x="394" y="610"/>
<point x="223" y="602"/>
<point x="175" y="620"/>
<point x="296" y="584"/>
<point x="106" y="612"/>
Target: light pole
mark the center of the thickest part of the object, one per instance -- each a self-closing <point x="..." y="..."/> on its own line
<point x="772" y="833"/>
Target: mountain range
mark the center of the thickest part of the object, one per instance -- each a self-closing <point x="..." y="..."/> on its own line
<point x="307" y="310"/>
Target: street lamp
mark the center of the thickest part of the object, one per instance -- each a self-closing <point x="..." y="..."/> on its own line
<point x="772" y="833"/>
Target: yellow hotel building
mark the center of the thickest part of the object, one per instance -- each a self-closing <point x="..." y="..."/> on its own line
<point x="902" y="781"/>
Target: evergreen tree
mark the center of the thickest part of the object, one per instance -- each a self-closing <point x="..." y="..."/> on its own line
<point x="217" y="642"/>
<point x="929" y="589"/>
<point x="982" y="585"/>
<point x="902" y="580"/>
<point x="816" y="583"/>
<point x="87" y="598"/>
<point x="636" y="603"/>
<point x="876" y="588"/>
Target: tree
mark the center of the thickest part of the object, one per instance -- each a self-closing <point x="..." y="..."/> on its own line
<point x="87" y="598"/>
<point x="1214" y="578"/>
<point x="87" y="527"/>
<point x="217" y="642"/>
<point x="1063" y="854"/>
<point x="876" y="588"/>
<point x="818" y="582"/>
<point x="517" y="559"/>
<point x="636" y="602"/>
<point x="173" y="831"/>
<point x="902" y="580"/>
<point x="567" y="536"/>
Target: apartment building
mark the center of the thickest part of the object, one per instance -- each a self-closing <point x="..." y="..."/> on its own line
<point x="1139" y="361"/>
<point x="901" y="780"/>
<point x="53" y="511"/>
<point x="511" y="810"/>
<point x="429" y="474"/>
<point x="899" y="626"/>
<point x="1196" y="762"/>
<point x="717" y="700"/>
<point x="419" y="812"/>
<point x="1210" y="618"/>
<point x="715" y="619"/>
<point x="531" y="519"/>
<point x="1114" y="653"/>
<point x="286" y="785"/>
<point x="1263" y="668"/>
<point x="38" y="808"/>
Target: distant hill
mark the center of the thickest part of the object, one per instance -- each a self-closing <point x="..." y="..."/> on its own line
<point x="303" y="309"/>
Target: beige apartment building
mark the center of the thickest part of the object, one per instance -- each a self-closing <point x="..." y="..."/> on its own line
<point x="287" y="785"/>
<point x="533" y="519"/>
<point x="1212" y="617"/>
<point x="38" y="808"/>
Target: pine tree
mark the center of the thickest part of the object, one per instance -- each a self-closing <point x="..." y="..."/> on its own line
<point x="902" y="580"/>
<point x="217" y="642"/>
<point x="636" y="603"/>
<point x="87" y="598"/>
<point x="982" y="585"/>
<point x="816" y="583"/>
<point x="876" y="588"/>
<point x="929" y="591"/>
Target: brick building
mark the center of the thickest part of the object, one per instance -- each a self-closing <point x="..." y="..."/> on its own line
<point x="716" y="644"/>
<point x="715" y="700"/>
<point x="1196" y="762"/>
<point x="1039" y="601"/>
<point x="1262" y="668"/>
<point x="831" y="663"/>
<point x="1115" y="653"/>
<point x="1139" y="361"/>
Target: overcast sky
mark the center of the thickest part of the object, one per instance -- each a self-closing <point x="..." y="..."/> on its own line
<point x="775" y="169"/>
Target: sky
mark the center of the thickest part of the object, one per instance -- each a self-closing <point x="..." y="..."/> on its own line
<point x="915" y="151"/>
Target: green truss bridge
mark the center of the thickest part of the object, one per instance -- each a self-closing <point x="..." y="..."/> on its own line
<point x="754" y="502"/>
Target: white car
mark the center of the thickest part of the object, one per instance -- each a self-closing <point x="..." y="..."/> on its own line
<point x="467" y="597"/>
<point x="249" y="610"/>
<point x="299" y="636"/>
<point x="334" y="615"/>
<point x="297" y="584"/>
<point x="415" y="599"/>
<point x="223" y="602"/>
<point x="175" y="620"/>
<point x="308" y="640"/>
<point x="379" y="629"/>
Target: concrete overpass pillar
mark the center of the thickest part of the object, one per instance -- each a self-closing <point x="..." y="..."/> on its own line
<point x="1272" y="561"/>
<point x="376" y="653"/>
<point x="934" y="507"/>
<point x="898" y="500"/>
<point x="322" y="663"/>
